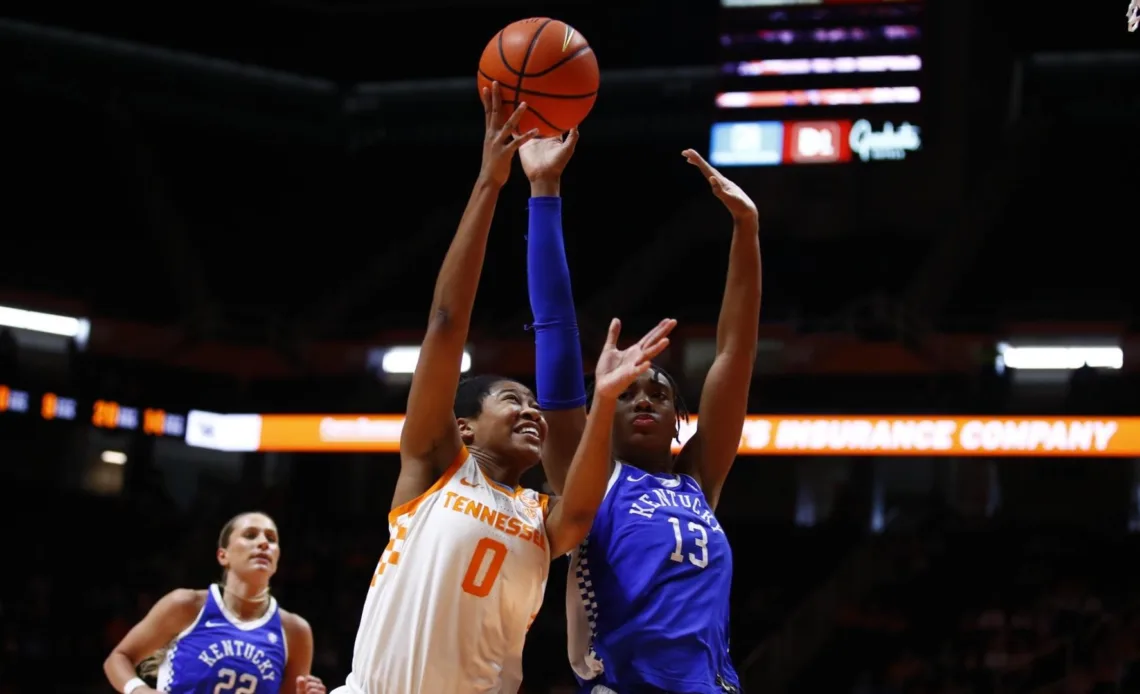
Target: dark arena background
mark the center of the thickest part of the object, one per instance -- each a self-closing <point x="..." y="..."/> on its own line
<point x="240" y="208"/>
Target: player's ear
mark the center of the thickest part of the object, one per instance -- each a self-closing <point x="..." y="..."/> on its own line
<point x="466" y="431"/>
<point x="223" y="558"/>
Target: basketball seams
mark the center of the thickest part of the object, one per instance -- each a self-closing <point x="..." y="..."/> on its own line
<point x="526" y="58"/>
<point x="516" y="79"/>
<point x="544" y="95"/>
<point x="503" y="56"/>
<point x="581" y="51"/>
<point x="537" y="114"/>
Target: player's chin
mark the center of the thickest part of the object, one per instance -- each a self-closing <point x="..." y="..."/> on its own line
<point x="652" y="441"/>
<point x="526" y="453"/>
<point x="261" y="567"/>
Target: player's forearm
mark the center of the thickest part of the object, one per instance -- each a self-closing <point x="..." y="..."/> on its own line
<point x="740" y="308"/>
<point x="590" y="470"/>
<point x="561" y="387"/>
<point x="454" y="295"/>
<point x="119" y="670"/>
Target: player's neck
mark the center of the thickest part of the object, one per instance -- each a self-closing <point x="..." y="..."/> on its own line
<point x="653" y="464"/>
<point x="246" y="600"/>
<point x="495" y="469"/>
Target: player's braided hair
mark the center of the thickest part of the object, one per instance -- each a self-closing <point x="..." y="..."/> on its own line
<point x="679" y="405"/>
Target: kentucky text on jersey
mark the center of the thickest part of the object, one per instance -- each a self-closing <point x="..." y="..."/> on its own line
<point x="498" y="520"/>
<point x="220" y="652"/>
<point x="646" y="504"/>
<point x="648" y="590"/>
<point x="235" y="648"/>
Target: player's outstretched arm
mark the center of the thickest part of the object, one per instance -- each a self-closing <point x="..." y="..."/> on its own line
<point x="557" y="348"/>
<point x="573" y="513"/>
<point x="430" y="440"/>
<point x="709" y="454"/>
<point x="166" y="620"/>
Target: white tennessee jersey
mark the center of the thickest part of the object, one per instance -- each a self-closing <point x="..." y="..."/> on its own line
<point x="455" y="591"/>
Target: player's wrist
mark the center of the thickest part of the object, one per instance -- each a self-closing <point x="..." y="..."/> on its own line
<point x="747" y="221"/>
<point x="546" y="187"/>
<point x="604" y="400"/>
<point x="487" y="183"/>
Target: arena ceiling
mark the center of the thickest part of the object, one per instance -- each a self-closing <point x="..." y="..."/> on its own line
<point x="195" y="166"/>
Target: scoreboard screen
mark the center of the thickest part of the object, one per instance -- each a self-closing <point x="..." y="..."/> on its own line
<point x="819" y="81"/>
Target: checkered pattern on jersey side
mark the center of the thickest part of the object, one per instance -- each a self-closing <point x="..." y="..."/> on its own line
<point x="397" y="534"/>
<point x="586" y="591"/>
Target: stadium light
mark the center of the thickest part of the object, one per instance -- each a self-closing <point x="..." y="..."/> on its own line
<point x="1060" y="357"/>
<point x="114" y="457"/>
<point x="402" y="360"/>
<point x="49" y="323"/>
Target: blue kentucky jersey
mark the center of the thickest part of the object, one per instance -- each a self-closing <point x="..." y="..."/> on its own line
<point x="647" y="594"/>
<point x="221" y="653"/>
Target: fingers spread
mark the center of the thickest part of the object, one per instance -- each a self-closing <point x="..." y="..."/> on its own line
<point x="655" y="349"/>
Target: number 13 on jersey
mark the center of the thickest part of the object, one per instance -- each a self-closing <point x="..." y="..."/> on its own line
<point x="701" y="540"/>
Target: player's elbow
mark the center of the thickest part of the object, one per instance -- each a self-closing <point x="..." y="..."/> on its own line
<point x="737" y="354"/>
<point x="116" y="663"/>
<point x="447" y="318"/>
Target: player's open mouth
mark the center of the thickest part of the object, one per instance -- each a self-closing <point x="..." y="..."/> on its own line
<point x="262" y="559"/>
<point x="530" y="431"/>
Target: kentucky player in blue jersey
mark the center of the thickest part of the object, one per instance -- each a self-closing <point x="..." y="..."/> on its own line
<point x="230" y="637"/>
<point x="647" y="596"/>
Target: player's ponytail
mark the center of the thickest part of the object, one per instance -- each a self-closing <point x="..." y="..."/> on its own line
<point x="148" y="668"/>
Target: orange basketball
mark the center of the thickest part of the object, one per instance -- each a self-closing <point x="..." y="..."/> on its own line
<point x="547" y="64"/>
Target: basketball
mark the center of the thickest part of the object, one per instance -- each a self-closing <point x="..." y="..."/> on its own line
<point x="547" y="64"/>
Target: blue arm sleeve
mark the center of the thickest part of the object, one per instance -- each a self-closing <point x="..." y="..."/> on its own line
<point x="558" y="350"/>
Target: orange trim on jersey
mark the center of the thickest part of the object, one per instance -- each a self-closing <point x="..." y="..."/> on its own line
<point x="544" y="500"/>
<point x="409" y="507"/>
<point x="499" y="485"/>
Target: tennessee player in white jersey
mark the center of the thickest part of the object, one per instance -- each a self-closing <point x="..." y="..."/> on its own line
<point x="466" y="563"/>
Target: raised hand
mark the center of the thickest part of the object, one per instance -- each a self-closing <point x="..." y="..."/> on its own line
<point x="308" y="684"/>
<point x="500" y="141"/>
<point x="545" y="158"/>
<point x="618" y="368"/>
<point x="735" y="199"/>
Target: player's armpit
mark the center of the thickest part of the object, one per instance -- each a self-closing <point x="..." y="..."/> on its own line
<point x="563" y="432"/>
<point x="572" y="515"/>
<point x="169" y="617"/>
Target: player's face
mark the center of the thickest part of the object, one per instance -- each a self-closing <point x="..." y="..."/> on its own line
<point x="510" y="424"/>
<point x="253" y="546"/>
<point x="646" y="420"/>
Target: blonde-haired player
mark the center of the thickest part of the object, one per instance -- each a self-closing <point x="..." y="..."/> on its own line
<point x="466" y="564"/>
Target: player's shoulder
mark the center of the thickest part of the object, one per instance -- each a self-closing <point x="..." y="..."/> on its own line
<point x="291" y="621"/>
<point x="298" y="633"/>
<point x="536" y="501"/>
<point x="186" y="598"/>
<point x="180" y="607"/>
